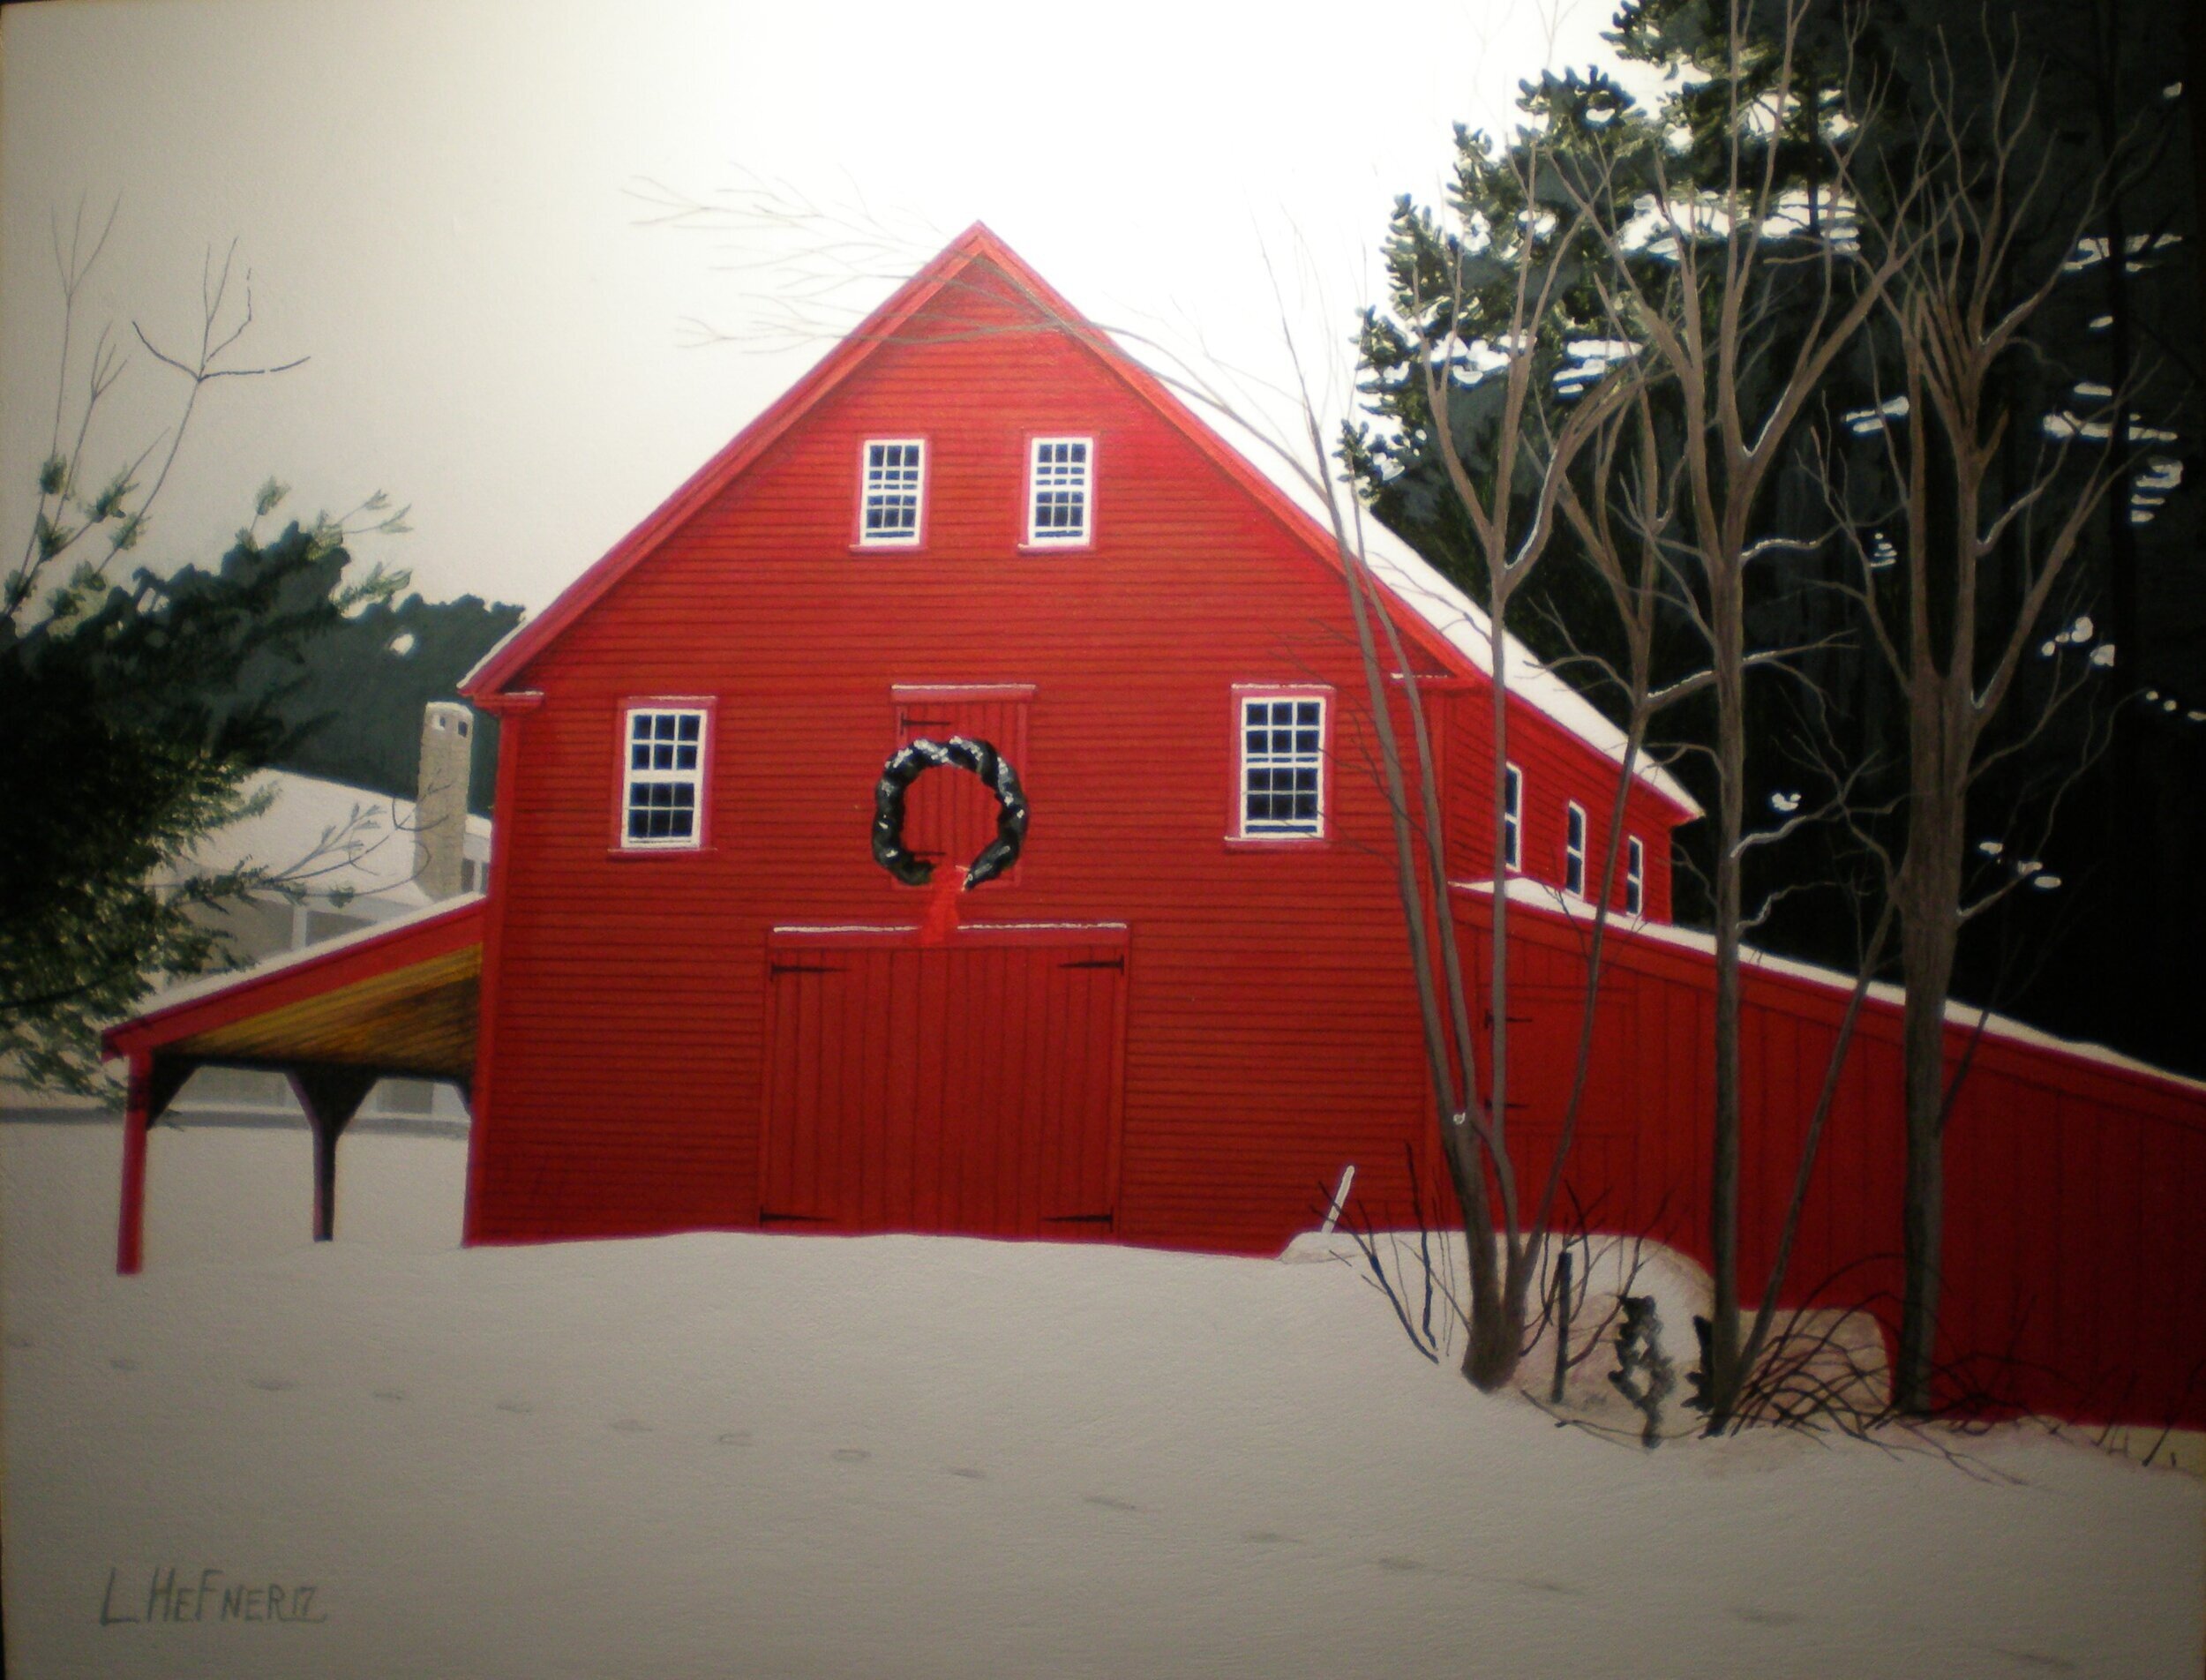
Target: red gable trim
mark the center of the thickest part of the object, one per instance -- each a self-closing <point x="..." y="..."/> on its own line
<point x="509" y="659"/>
<point x="505" y="661"/>
<point x="290" y="980"/>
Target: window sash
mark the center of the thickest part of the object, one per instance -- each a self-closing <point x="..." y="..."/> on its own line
<point x="1282" y="766"/>
<point x="1634" y="877"/>
<point x="1574" y="851"/>
<point x="1059" y="480"/>
<point x="893" y="497"/>
<point x="663" y="777"/>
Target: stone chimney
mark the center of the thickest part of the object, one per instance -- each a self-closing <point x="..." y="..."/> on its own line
<point x="440" y="802"/>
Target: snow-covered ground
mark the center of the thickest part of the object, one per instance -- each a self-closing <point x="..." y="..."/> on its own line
<point x="781" y="1456"/>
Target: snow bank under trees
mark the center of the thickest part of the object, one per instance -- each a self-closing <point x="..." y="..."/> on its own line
<point x="747" y="1455"/>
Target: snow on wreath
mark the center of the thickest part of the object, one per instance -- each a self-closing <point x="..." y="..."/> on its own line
<point x="905" y="766"/>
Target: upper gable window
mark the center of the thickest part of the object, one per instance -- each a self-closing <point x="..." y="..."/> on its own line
<point x="1282" y="766"/>
<point x="895" y="493"/>
<point x="663" y="777"/>
<point x="1060" y="492"/>
<point x="1574" y="849"/>
<point x="1634" y="877"/>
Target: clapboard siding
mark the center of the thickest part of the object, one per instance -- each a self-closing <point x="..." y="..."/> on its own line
<point x="1270" y="1034"/>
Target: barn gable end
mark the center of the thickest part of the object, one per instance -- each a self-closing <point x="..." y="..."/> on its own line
<point x="1266" y="1032"/>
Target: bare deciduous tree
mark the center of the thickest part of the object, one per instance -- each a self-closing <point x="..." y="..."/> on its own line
<point x="1691" y="276"/>
<point x="1958" y="594"/>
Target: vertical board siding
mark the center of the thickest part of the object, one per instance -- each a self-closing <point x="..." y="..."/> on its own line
<point x="967" y="1090"/>
<point x="950" y="815"/>
<point x="2074" y="1284"/>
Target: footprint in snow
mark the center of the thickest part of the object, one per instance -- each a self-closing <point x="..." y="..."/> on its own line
<point x="18" y="1341"/>
<point x="2037" y="1659"/>
<point x="849" y="1455"/>
<point x="1761" y="1617"/>
<point x="968" y="1473"/>
<point x="736" y="1438"/>
<point x="390" y="1394"/>
<point x="520" y="1408"/>
<point x="631" y="1426"/>
<point x="1537" y="1585"/>
<point x="1109" y="1504"/>
<point x="1400" y="1564"/>
<point x="272" y="1384"/>
<point x="123" y="1364"/>
<point x="1268" y="1537"/>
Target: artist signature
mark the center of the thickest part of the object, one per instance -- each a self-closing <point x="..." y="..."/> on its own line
<point x="176" y="1594"/>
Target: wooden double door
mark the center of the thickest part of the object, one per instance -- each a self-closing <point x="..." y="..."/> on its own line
<point x="967" y="1088"/>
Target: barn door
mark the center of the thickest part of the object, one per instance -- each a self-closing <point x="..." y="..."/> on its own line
<point x="966" y="1089"/>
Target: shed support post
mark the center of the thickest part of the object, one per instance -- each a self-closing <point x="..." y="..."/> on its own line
<point x="155" y="1082"/>
<point x="331" y="1096"/>
<point x="130" y="1240"/>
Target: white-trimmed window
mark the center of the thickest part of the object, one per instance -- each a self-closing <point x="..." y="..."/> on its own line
<point x="895" y="492"/>
<point x="1282" y="765"/>
<point x="1634" y="877"/>
<point x="1513" y="818"/>
<point x="1574" y="849"/>
<point x="663" y="782"/>
<point x="1060" y="492"/>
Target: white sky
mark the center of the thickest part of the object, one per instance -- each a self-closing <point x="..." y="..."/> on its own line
<point x="439" y="203"/>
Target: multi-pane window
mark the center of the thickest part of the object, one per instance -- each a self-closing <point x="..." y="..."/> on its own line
<point x="1634" y="877"/>
<point x="666" y="769"/>
<point x="1574" y="849"/>
<point x="895" y="481"/>
<point x="1283" y="765"/>
<point x="1060" y="485"/>
<point x="1513" y="818"/>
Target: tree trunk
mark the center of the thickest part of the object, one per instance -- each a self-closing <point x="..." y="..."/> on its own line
<point x="1497" y="1315"/>
<point x="1929" y="890"/>
<point x="1723" y="1377"/>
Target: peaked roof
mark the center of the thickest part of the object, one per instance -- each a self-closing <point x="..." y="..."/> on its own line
<point x="1437" y="614"/>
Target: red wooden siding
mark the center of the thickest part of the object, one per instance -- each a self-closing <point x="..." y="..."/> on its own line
<point x="2074" y="1284"/>
<point x="1556" y="769"/>
<point x="1271" y="1033"/>
<point x="966" y="1088"/>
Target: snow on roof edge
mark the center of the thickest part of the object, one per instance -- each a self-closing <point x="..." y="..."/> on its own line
<point x="467" y="683"/>
<point x="2005" y="1027"/>
<point x="1462" y="622"/>
<point x="1427" y="591"/>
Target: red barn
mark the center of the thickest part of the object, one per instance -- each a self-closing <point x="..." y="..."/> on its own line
<point x="1174" y="1021"/>
<point x="693" y="999"/>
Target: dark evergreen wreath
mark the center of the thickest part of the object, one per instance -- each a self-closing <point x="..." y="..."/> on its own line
<point x="905" y="766"/>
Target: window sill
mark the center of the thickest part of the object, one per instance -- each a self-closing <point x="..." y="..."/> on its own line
<point x="919" y="547"/>
<point x="641" y="854"/>
<point x="1083" y="546"/>
<point x="1279" y="843"/>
